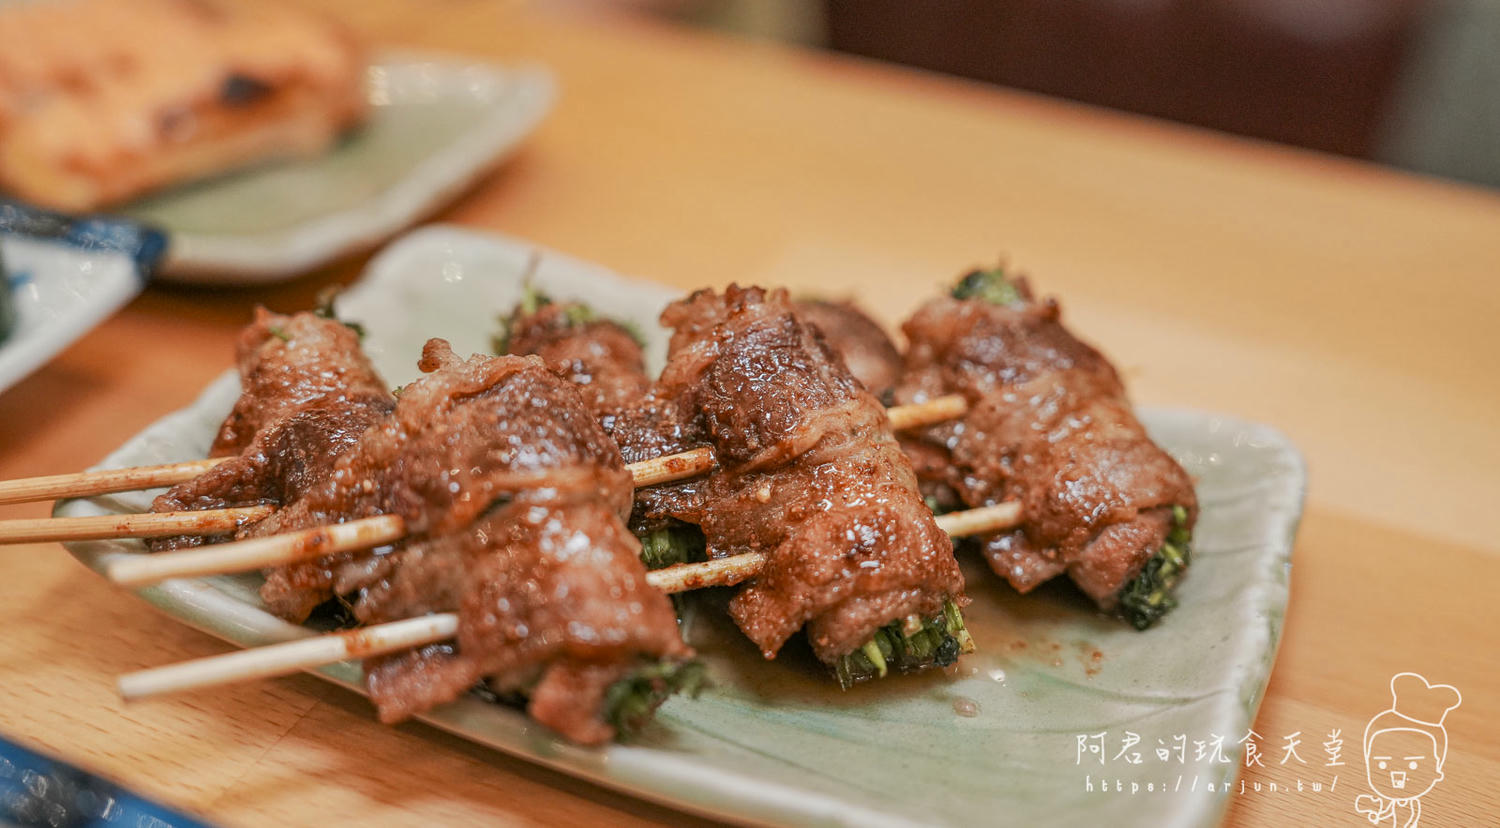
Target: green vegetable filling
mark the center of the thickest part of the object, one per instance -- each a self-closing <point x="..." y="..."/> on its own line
<point x="7" y="308"/>
<point x="936" y="507"/>
<point x="532" y="300"/>
<point x="1149" y="596"/>
<point x="325" y="310"/>
<point x="990" y="285"/>
<point x="906" y="647"/>
<point x="575" y="314"/>
<point x="671" y="545"/>
<point x="630" y="702"/>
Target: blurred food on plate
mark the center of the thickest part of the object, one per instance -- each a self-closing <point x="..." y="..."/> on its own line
<point x="104" y="100"/>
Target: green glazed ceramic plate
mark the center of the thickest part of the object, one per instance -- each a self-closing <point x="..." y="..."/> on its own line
<point x="1007" y="735"/>
<point x="436" y="125"/>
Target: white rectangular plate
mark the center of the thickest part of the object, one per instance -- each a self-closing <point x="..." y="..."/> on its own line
<point x="436" y="125"/>
<point x="63" y="276"/>
<point x="776" y="741"/>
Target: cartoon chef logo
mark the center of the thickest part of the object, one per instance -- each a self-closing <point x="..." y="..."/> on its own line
<point x="1404" y="750"/>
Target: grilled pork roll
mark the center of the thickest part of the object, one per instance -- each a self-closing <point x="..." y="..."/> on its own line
<point x="905" y="628"/>
<point x="601" y="357"/>
<point x="867" y="351"/>
<point x="1049" y="426"/>
<point x="307" y="395"/>
<point x="605" y="361"/>
<point x="811" y="475"/>
<point x="517" y="509"/>
<point x="439" y="461"/>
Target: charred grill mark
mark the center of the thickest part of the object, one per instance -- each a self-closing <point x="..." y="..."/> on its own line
<point x="242" y="90"/>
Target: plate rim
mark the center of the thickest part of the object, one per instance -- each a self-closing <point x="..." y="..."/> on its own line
<point x="273" y="256"/>
<point x="127" y="252"/>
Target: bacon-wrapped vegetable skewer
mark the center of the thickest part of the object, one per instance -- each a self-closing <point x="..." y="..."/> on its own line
<point x="809" y="474"/>
<point x="1048" y="426"/>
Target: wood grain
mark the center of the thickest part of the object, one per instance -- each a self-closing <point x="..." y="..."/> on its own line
<point x="1349" y="306"/>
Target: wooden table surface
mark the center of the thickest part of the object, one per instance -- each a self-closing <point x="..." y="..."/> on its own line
<point x="1353" y="308"/>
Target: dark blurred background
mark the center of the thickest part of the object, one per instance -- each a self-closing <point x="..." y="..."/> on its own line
<point x="1410" y="83"/>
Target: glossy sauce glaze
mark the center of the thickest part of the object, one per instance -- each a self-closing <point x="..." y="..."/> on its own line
<point x="460" y="439"/>
<point x="864" y="346"/>
<point x="607" y="364"/>
<point x="308" y="394"/>
<point x="809" y="474"/>
<point x="514" y="500"/>
<point x="1049" y="426"/>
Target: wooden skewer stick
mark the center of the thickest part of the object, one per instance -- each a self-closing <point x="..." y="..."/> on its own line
<point x="104" y="481"/>
<point x="257" y="553"/>
<point x="380" y="639"/>
<point x="284" y="659"/>
<point x="981" y="520"/>
<point x="366" y="533"/>
<point x="717" y="572"/>
<point x="932" y="412"/>
<point x="149" y="525"/>
<point x="647" y="473"/>
<point x="215" y="521"/>
<point x="672" y="467"/>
